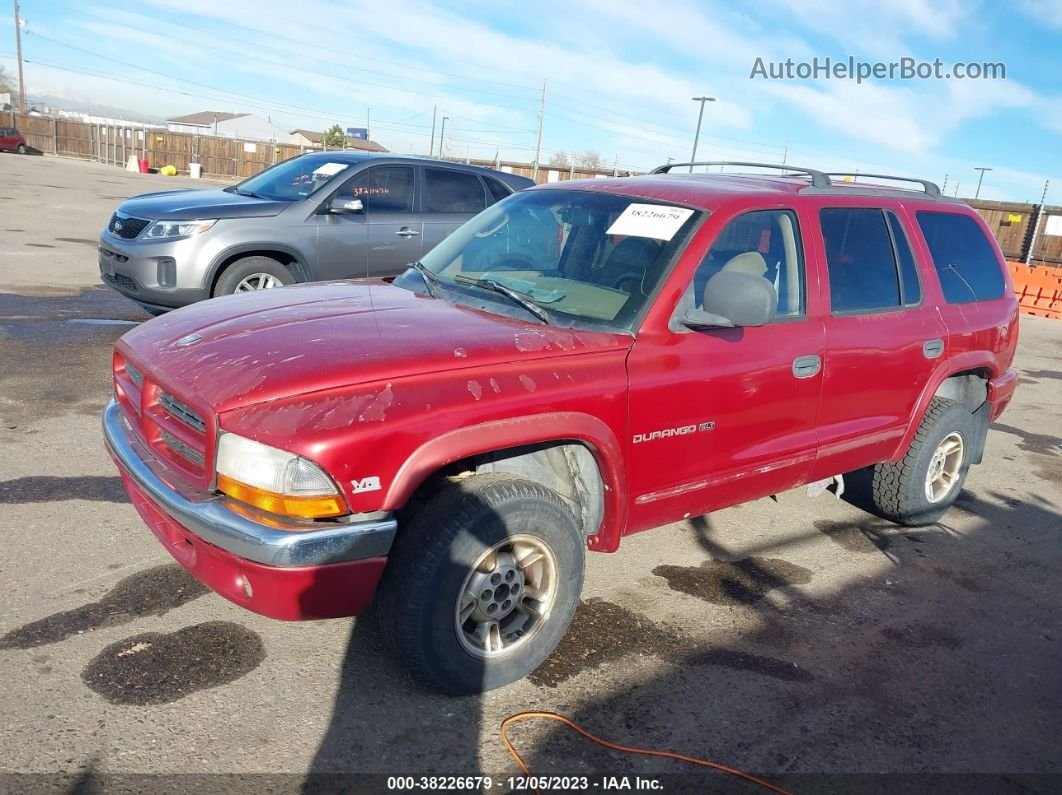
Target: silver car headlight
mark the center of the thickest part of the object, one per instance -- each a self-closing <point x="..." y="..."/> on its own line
<point x="161" y="230"/>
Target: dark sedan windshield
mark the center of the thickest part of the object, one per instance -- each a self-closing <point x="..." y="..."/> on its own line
<point x="580" y="257"/>
<point x="293" y="179"/>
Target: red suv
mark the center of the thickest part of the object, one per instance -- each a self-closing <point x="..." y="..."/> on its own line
<point x="11" y="140"/>
<point x="453" y="441"/>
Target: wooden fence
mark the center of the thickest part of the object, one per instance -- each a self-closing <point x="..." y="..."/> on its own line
<point x="1025" y="232"/>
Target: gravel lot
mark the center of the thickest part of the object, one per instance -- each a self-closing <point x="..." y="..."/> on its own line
<point x="787" y="637"/>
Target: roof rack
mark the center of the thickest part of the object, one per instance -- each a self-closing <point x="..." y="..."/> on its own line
<point x="818" y="178"/>
<point x="931" y="188"/>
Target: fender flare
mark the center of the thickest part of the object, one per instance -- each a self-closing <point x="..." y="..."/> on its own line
<point x="533" y="429"/>
<point x="247" y="248"/>
<point x="963" y="363"/>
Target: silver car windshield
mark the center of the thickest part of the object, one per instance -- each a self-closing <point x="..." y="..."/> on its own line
<point x="580" y="257"/>
<point x="293" y="179"/>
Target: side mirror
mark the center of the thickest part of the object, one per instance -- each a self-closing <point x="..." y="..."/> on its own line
<point x="734" y="298"/>
<point x="346" y="207"/>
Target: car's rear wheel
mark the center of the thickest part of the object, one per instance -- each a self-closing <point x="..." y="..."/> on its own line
<point x="252" y="273"/>
<point x="919" y="488"/>
<point x="482" y="584"/>
<point x="21" y="149"/>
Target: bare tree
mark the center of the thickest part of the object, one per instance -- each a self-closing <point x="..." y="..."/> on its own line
<point x="560" y="160"/>
<point x="589" y="159"/>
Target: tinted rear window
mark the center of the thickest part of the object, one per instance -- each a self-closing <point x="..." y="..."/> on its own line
<point x="912" y="288"/>
<point x="452" y="192"/>
<point x="860" y="259"/>
<point x="497" y="190"/>
<point x="965" y="262"/>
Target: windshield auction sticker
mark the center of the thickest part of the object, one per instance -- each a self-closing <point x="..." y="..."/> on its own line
<point x="650" y="220"/>
<point x="328" y="169"/>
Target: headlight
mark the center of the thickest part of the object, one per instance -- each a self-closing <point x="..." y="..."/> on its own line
<point x="275" y="480"/>
<point x="158" y="230"/>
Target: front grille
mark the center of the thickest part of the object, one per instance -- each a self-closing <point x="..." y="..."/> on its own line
<point x="125" y="226"/>
<point x="181" y="448"/>
<point x="177" y="409"/>
<point x="122" y="281"/>
<point x="134" y="375"/>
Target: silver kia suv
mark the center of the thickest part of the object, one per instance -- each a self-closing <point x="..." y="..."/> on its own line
<point x="315" y="217"/>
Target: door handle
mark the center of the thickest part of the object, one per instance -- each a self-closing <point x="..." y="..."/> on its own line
<point x="933" y="348"/>
<point x="407" y="233"/>
<point x="806" y="366"/>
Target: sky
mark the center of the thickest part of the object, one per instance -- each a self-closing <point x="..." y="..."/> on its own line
<point x="619" y="77"/>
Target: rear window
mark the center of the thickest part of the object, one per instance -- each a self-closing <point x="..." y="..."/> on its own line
<point x="964" y="259"/>
<point x="860" y="259"/>
<point x="452" y="192"/>
<point x="498" y="191"/>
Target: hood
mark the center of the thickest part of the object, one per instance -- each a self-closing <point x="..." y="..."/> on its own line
<point x="286" y="342"/>
<point x="192" y="204"/>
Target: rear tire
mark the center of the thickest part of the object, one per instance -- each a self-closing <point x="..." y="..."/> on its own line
<point x="21" y="149"/>
<point x="482" y="584"/>
<point x="252" y="273"/>
<point x="919" y="489"/>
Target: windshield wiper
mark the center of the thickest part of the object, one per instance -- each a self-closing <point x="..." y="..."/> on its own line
<point x="250" y="193"/>
<point x="508" y="292"/>
<point x="431" y="281"/>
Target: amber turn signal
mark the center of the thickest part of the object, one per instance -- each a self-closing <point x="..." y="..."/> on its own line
<point x="316" y="507"/>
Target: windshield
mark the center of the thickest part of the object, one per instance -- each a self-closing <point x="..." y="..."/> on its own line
<point x="293" y="179"/>
<point x="579" y="257"/>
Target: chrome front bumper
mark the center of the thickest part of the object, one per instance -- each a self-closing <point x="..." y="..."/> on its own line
<point x="211" y="520"/>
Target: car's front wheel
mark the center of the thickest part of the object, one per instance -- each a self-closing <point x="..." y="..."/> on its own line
<point x="482" y="584"/>
<point x="252" y="273"/>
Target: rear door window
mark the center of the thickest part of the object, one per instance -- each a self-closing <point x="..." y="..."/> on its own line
<point x="910" y="284"/>
<point x="497" y="190"/>
<point x="861" y="260"/>
<point x="447" y="191"/>
<point x="965" y="262"/>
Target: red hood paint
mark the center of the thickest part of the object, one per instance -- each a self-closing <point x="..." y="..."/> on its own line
<point x="283" y="343"/>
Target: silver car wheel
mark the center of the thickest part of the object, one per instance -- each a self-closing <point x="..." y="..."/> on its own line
<point x="945" y="467"/>
<point x="258" y="281"/>
<point x="507" y="597"/>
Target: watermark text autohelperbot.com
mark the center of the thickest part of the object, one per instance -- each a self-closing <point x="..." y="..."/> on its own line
<point x="850" y="68"/>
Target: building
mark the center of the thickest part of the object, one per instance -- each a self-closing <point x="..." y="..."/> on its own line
<point x="243" y="126"/>
<point x="315" y="140"/>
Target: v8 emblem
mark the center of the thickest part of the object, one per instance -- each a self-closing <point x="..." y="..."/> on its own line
<point x="371" y="483"/>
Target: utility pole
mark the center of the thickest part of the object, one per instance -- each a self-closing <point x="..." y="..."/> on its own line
<point x="541" y="118"/>
<point x="785" y="153"/>
<point x="442" y="134"/>
<point x="18" y="54"/>
<point x="956" y="194"/>
<point x="982" y="169"/>
<point x="368" y="124"/>
<point x="431" y="146"/>
<point x="1036" y="226"/>
<point x="697" y="135"/>
<point x="944" y="188"/>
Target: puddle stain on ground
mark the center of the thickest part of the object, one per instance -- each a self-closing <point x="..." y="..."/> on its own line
<point x="148" y="593"/>
<point x="862" y="537"/>
<point x="921" y="635"/>
<point x="159" y="668"/>
<point x="84" y="240"/>
<point x="602" y="632"/>
<point x="740" y="582"/>
<point x="756" y="663"/>
<point x="1039" y="443"/>
<point x="1050" y="374"/>
<point x="48" y="488"/>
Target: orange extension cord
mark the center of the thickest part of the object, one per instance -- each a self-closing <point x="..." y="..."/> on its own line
<point x="624" y="748"/>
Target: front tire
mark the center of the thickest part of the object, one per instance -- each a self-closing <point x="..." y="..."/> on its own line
<point x="920" y="488"/>
<point x="252" y="273"/>
<point x="482" y="584"/>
